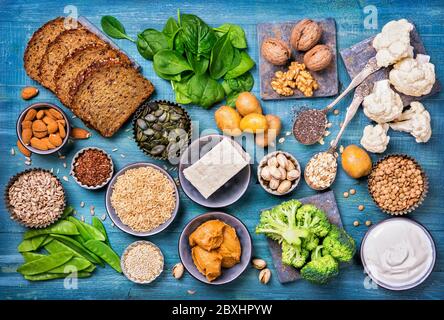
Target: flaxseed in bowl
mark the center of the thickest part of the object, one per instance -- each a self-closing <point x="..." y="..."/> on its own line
<point x="142" y="262"/>
<point x="142" y="199"/>
<point x="35" y="198"/>
<point x="92" y="168"/>
<point x="397" y="184"/>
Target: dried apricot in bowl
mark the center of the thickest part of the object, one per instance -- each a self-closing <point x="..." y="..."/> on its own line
<point x="356" y="162"/>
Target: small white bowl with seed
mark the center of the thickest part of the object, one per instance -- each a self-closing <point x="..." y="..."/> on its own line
<point x="142" y="262"/>
<point x="279" y="173"/>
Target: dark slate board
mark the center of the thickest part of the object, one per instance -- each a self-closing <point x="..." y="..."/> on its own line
<point x="327" y="79"/>
<point x="357" y="56"/>
<point x="325" y="201"/>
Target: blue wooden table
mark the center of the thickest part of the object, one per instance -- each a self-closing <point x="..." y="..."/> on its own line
<point x="18" y="19"/>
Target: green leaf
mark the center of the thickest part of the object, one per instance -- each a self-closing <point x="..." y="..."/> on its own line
<point x="181" y="90"/>
<point x="196" y="35"/>
<point x="151" y="41"/>
<point x="170" y="30"/>
<point x="242" y="83"/>
<point x="205" y="91"/>
<point x="236" y="34"/>
<point x="170" y="62"/>
<point x="231" y="98"/>
<point x="221" y="57"/>
<point x="199" y="64"/>
<point x="113" y="28"/>
<point x="246" y="63"/>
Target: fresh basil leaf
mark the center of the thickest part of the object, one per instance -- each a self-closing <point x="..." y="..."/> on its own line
<point x="221" y="57"/>
<point x="204" y="91"/>
<point x="114" y="28"/>
<point x="236" y="34"/>
<point x="196" y="35"/>
<point x="199" y="64"/>
<point x="170" y="62"/>
<point x="150" y="41"/>
<point x="245" y="64"/>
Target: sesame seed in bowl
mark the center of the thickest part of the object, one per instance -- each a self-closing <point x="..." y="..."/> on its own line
<point x="142" y="262"/>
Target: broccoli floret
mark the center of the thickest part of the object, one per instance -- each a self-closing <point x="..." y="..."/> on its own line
<point x="321" y="268"/>
<point x="339" y="244"/>
<point x="310" y="217"/>
<point x="294" y="255"/>
<point x="311" y="242"/>
<point x="280" y="224"/>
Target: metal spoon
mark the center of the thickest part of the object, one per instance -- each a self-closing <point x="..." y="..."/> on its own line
<point x="361" y="92"/>
<point x="319" y="116"/>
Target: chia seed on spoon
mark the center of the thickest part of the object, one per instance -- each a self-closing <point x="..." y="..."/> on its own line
<point x="309" y="126"/>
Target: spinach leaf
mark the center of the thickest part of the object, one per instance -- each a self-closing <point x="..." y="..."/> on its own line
<point x="205" y="91"/>
<point x="236" y="34"/>
<point x="170" y="30"/>
<point x="170" y="62"/>
<point x="242" y="83"/>
<point x="245" y="64"/>
<point x="181" y="91"/>
<point x="236" y="59"/>
<point x="150" y="41"/>
<point x="196" y="35"/>
<point x="221" y="57"/>
<point x="114" y="28"/>
<point x="199" y="64"/>
<point x="231" y="98"/>
<point x="172" y="77"/>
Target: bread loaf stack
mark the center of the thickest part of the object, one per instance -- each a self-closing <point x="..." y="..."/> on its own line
<point x="97" y="82"/>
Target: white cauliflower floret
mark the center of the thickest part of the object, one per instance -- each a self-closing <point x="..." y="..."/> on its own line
<point x="375" y="138"/>
<point x="383" y="104"/>
<point x="413" y="77"/>
<point x="393" y="43"/>
<point x="415" y="121"/>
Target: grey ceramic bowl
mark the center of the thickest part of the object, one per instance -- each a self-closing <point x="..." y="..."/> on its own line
<point x="227" y="275"/>
<point x="74" y="160"/>
<point x="229" y="193"/>
<point x="37" y="106"/>
<point x="115" y="218"/>
<point x="388" y="286"/>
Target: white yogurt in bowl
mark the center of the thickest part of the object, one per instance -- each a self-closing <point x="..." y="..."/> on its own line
<point x="398" y="253"/>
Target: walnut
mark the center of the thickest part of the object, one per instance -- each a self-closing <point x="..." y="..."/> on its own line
<point x="305" y="35"/>
<point x="296" y="77"/>
<point x="275" y="51"/>
<point x="318" y="58"/>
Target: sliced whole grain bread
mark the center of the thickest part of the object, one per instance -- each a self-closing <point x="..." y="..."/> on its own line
<point x="38" y="43"/>
<point x="65" y="44"/>
<point x="78" y="61"/>
<point x="107" y="93"/>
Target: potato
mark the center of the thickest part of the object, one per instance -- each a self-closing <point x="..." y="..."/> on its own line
<point x="254" y="122"/>
<point x="274" y="129"/>
<point x="247" y="103"/>
<point x="228" y="120"/>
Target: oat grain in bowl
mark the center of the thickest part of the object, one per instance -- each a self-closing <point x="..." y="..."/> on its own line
<point x="142" y="262"/>
<point x="35" y="198"/>
<point x="320" y="171"/>
<point x="143" y="198"/>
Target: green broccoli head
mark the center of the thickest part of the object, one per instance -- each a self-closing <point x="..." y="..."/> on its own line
<point x="279" y="223"/>
<point x="339" y="244"/>
<point x="321" y="268"/>
<point x="294" y="255"/>
<point x="311" y="242"/>
<point x="314" y="219"/>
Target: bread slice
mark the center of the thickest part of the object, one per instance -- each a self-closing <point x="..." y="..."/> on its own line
<point x="107" y="93"/>
<point x="77" y="62"/>
<point x="65" y="44"/>
<point x="38" y="43"/>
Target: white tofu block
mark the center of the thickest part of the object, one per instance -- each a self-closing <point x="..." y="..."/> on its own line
<point x="216" y="167"/>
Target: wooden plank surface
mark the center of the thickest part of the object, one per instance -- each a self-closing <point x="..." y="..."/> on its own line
<point x="18" y="19"/>
<point x="327" y="78"/>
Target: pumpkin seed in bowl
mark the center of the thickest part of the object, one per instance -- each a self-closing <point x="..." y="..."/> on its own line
<point x="162" y="130"/>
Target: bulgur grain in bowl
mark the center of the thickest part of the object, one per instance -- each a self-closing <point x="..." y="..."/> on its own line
<point x="142" y="199"/>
